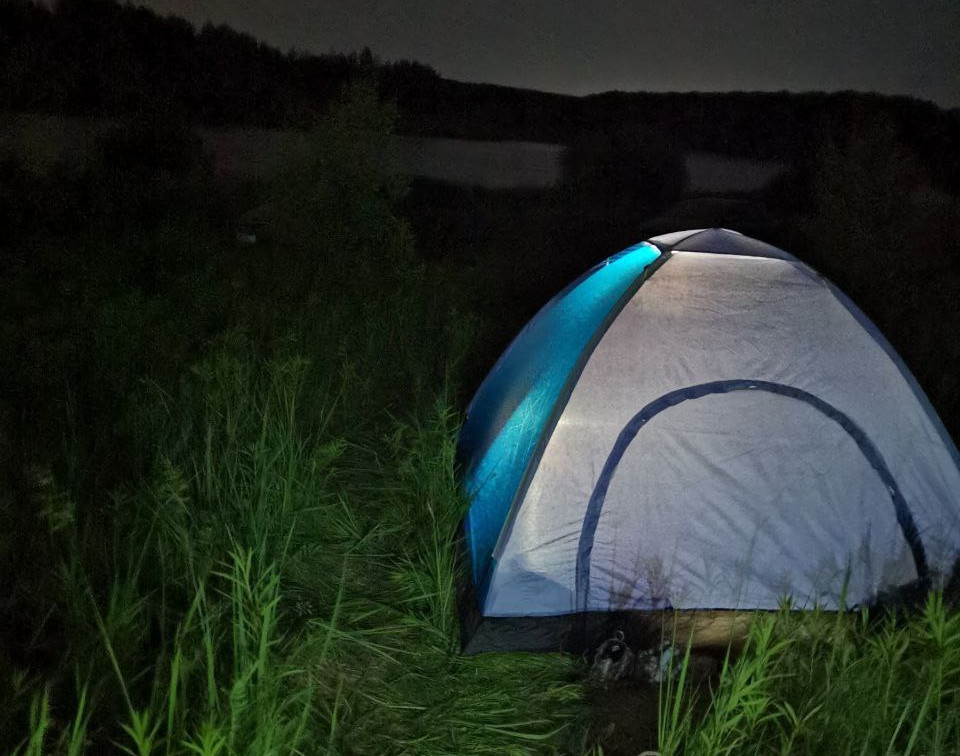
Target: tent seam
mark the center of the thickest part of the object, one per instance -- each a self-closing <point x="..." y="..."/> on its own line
<point x="563" y="397"/>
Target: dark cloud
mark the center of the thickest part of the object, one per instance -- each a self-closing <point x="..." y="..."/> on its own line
<point x="889" y="46"/>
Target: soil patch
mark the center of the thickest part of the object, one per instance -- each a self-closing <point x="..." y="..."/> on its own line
<point x="623" y="714"/>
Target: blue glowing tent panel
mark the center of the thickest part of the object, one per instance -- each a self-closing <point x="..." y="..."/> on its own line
<point x="512" y="405"/>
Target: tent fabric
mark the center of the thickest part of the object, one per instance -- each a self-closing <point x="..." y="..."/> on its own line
<point x="765" y="411"/>
<point x="514" y="404"/>
<point x="667" y="241"/>
<point x="720" y="241"/>
<point x="736" y="432"/>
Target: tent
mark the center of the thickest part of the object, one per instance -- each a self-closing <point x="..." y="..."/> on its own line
<point x="700" y="422"/>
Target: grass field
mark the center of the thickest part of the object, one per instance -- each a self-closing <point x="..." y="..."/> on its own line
<point x="230" y="510"/>
<point x="815" y="683"/>
<point x="241" y="533"/>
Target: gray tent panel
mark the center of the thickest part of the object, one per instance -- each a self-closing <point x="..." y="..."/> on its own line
<point x="737" y="540"/>
<point x="714" y="317"/>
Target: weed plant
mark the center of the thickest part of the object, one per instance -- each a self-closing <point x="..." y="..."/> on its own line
<point x="826" y="683"/>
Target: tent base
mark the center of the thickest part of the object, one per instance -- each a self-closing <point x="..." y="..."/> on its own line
<point x="578" y="633"/>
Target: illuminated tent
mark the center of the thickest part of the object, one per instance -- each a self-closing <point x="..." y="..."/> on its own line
<point x="699" y="422"/>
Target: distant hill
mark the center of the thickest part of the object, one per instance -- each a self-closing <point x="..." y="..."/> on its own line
<point x="752" y="125"/>
<point x="97" y="57"/>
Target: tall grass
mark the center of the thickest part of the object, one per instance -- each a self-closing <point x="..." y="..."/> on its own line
<point x="818" y="683"/>
<point x="246" y="541"/>
<point x="274" y="588"/>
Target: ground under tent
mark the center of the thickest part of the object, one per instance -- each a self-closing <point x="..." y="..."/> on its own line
<point x="699" y="423"/>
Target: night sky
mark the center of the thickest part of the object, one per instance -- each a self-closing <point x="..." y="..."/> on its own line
<point x="907" y="47"/>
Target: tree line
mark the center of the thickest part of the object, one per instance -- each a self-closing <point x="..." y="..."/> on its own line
<point x="101" y="57"/>
<point x="98" y="57"/>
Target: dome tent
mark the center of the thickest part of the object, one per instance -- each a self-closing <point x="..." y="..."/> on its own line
<point x="700" y="422"/>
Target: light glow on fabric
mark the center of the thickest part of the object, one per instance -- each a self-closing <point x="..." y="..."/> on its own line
<point x="513" y="405"/>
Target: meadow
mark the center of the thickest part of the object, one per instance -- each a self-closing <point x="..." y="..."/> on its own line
<point x="229" y="506"/>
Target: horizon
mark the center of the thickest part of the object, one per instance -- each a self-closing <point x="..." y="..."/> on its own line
<point x="684" y="92"/>
<point x="884" y="48"/>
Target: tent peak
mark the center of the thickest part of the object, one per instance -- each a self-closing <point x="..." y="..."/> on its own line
<point x="722" y="241"/>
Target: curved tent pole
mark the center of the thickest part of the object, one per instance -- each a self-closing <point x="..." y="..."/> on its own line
<point x="673" y="398"/>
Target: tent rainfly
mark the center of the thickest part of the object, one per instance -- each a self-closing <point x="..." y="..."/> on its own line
<point x="700" y="422"/>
